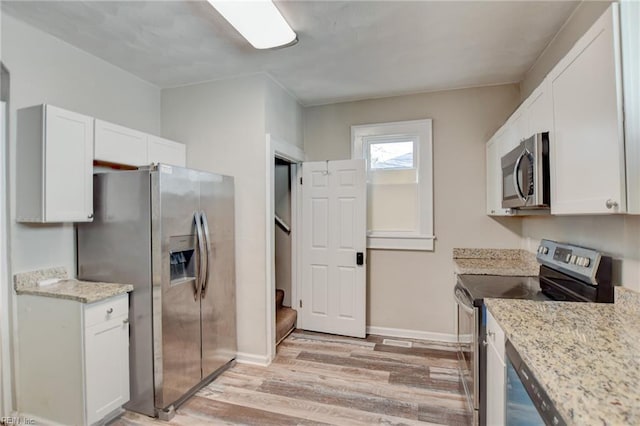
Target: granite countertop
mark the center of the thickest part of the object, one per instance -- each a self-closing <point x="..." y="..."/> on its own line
<point x="514" y="262"/>
<point x="70" y="289"/>
<point x="585" y="355"/>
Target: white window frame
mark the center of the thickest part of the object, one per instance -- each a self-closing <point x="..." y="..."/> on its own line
<point x="420" y="130"/>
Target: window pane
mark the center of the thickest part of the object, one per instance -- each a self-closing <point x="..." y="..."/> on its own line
<point x="391" y="155"/>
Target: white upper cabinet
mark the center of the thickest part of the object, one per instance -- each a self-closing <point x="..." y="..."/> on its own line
<point x="630" y="40"/>
<point x="587" y="151"/>
<point x="165" y="151"/>
<point x="54" y="165"/>
<point x="539" y="109"/>
<point x="120" y="145"/>
<point x="516" y="129"/>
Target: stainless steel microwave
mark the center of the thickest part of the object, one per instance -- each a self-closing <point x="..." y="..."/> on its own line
<point x="525" y="175"/>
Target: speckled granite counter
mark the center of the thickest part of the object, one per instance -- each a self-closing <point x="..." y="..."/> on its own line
<point x="81" y="291"/>
<point x="495" y="262"/>
<point x="585" y="355"/>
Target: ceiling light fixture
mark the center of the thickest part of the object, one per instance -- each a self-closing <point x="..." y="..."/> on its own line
<point x="259" y="21"/>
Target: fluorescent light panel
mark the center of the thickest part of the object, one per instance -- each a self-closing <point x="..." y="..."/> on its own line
<point x="259" y="21"/>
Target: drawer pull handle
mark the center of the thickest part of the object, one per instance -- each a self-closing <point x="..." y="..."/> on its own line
<point x="109" y="311"/>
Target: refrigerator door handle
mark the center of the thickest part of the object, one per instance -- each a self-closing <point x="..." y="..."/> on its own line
<point x="201" y="250"/>
<point x="205" y="226"/>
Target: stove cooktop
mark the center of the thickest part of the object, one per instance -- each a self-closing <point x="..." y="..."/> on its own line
<point x="479" y="287"/>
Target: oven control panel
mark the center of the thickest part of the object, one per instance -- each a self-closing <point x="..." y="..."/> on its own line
<point x="579" y="262"/>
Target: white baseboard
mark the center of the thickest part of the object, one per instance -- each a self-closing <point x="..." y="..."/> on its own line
<point x="412" y="334"/>
<point x="252" y="359"/>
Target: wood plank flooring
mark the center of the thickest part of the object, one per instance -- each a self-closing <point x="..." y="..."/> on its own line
<point x="320" y="379"/>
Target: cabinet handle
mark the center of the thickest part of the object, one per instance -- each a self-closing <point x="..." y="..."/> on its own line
<point x="125" y="321"/>
<point x="109" y="311"/>
<point x="90" y="216"/>
<point x="611" y="204"/>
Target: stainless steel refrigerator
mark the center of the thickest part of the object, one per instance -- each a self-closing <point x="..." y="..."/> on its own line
<point x="169" y="231"/>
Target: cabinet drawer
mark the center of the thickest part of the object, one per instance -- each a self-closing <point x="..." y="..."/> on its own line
<point x="105" y="310"/>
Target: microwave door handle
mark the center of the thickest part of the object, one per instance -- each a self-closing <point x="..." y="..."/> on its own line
<point x="516" y="181"/>
<point x="201" y="250"/>
<point x="207" y="243"/>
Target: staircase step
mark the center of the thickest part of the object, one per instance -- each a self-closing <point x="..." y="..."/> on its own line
<point x="285" y="322"/>
<point x="279" y="298"/>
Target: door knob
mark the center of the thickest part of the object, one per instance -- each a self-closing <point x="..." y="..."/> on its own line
<point x="611" y="203"/>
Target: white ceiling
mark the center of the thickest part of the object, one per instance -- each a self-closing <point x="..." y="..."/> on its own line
<point x="347" y="49"/>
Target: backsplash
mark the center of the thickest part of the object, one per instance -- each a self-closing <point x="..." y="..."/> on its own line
<point x="617" y="236"/>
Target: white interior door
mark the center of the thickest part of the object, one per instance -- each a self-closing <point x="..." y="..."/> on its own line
<point x="333" y="288"/>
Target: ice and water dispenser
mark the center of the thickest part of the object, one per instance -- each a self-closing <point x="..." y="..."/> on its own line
<point x="182" y="259"/>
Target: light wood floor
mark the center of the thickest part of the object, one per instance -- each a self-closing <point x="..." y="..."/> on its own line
<point x="324" y="379"/>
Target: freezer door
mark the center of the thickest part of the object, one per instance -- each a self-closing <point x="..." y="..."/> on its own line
<point x="176" y="282"/>
<point x="218" y="296"/>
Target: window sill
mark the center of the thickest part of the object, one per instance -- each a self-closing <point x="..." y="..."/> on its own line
<point x="400" y="242"/>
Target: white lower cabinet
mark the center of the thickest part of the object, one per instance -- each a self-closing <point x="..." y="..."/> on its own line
<point x="496" y="373"/>
<point x="73" y="359"/>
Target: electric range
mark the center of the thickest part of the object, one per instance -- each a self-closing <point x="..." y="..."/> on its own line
<point x="567" y="273"/>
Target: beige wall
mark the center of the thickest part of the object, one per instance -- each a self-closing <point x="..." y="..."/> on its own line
<point x="283" y="114"/>
<point x="45" y="69"/>
<point x="414" y="290"/>
<point x="224" y="124"/>
<point x="578" y="23"/>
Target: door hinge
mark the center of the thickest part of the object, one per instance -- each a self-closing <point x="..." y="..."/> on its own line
<point x="301" y="303"/>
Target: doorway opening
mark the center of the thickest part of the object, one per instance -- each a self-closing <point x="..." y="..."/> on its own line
<point x="285" y="313"/>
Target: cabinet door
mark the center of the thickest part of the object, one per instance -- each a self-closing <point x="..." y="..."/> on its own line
<point x="167" y="152"/>
<point x="630" y="41"/>
<point x="587" y="154"/>
<point x="68" y="162"/>
<point x="496" y="386"/>
<point x="106" y="367"/>
<point x="540" y="109"/>
<point x="496" y="372"/>
<point x="120" y="145"/>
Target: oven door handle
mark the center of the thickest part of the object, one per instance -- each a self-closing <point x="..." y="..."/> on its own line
<point x="463" y="305"/>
